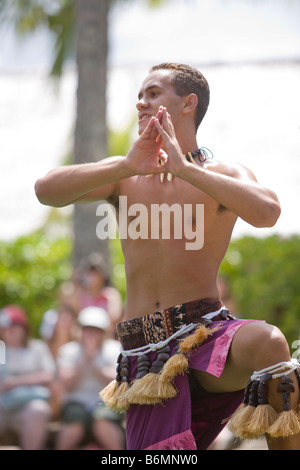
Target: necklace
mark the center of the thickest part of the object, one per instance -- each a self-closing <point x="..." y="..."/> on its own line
<point x="204" y="154"/>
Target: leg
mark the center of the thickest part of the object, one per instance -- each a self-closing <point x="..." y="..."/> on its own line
<point x="256" y="346"/>
<point x="74" y="418"/>
<point x="108" y="434"/>
<point x="33" y="425"/>
<point x="70" y="436"/>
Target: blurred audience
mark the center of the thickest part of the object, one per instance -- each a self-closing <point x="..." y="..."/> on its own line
<point x="24" y="381"/>
<point x="91" y="286"/>
<point x="84" y="368"/>
<point x="58" y="327"/>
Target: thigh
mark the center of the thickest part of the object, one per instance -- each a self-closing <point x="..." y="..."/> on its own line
<point x="255" y="345"/>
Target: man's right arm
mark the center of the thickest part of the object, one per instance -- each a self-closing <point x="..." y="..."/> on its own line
<point x="82" y="183"/>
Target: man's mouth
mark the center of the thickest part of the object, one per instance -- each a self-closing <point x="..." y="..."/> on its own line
<point x="144" y="116"/>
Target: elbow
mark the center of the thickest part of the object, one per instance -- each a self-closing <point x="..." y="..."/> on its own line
<point x="270" y="215"/>
<point x="43" y="195"/>
<point x="38" y="188"/>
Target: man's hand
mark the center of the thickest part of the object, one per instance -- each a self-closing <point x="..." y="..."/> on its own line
<point x="173" y="158"/>
<point x="146" y="154"/>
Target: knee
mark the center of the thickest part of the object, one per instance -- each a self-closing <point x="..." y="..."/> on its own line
<point x="264" y="345"/>
<point x="36" y="409"/>
<point x="271" y="346"/>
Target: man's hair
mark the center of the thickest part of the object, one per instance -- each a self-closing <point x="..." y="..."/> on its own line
<point x="186" y="80"/>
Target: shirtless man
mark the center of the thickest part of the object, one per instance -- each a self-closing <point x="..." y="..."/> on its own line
<point x="161" y="273"/>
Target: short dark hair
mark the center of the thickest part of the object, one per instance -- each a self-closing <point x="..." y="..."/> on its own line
<point x="188" y="80"/>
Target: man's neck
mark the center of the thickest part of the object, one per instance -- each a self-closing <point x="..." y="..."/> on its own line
<point x="187" y="140"/>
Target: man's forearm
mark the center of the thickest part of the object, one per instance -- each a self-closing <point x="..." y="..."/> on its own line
<point x="255" y="204"/>
<point x="81" y="183"/>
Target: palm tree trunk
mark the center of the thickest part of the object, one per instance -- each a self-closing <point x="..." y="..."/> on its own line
<point x="90" y="131"/>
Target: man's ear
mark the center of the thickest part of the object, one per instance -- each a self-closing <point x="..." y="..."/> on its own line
<point x="190" y="103"/>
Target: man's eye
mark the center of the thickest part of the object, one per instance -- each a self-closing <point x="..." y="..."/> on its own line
<point x="153" y="94"/>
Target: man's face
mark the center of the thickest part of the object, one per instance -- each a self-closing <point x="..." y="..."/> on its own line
<point x="157" y="90"/>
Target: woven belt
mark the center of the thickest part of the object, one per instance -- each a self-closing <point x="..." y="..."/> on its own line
<point x="159" y="326"/>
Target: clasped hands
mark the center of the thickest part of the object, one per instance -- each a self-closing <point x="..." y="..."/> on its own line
<point x="157" y="149"/>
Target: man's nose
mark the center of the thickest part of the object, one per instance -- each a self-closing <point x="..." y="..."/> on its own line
<point x="142" y="103"/>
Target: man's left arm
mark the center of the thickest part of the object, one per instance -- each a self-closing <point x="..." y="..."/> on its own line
<point x="238" y="191"/>
<point x="241" y="193"/>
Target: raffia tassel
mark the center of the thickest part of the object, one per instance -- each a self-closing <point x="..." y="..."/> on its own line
<point x="118" y="400"/>
<point x="285" y="425"/>
<point x="177" y="364"/>
<point x="150" y="390"/>
<point x="108" y="392"/>
<point x="240" y="420"/>
<point x="263" y="417"/>
<point x="195" y="339"/>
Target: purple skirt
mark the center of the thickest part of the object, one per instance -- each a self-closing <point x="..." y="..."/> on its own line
<point x="194" y="418"/>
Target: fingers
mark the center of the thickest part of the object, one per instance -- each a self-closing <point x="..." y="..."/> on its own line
<point x="164" y="133"/>
<point x="151" y="130"/>
<point x="164" y="125"/>
<point x="159" y="126"/>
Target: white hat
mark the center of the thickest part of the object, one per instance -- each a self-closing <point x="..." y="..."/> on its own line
<point x="94" y="316"/>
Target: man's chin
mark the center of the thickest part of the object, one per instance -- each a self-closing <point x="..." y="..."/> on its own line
<point x="141" y="128"/>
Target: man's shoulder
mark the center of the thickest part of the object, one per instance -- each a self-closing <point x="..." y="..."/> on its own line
<point x="229" y="168"/>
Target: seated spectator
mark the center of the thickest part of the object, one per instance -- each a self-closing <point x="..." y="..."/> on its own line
<point x="91" y="286"/>
<point x="85" y="368"/>
<point x="24" y="380"/>
<point x="58" y="327"/>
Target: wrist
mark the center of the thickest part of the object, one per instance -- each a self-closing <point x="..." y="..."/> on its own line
<point x="183" y="168"/>
<point x="125" y="168"/>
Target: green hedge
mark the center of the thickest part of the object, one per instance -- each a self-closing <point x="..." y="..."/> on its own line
<point x="31" y="271"/>
<point x="264" y="280"/>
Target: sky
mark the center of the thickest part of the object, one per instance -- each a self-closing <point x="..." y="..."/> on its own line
<point x="249" y="51"/>
<point x="205" y="31"/>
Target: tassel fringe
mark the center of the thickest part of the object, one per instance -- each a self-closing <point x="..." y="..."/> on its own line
<point x="150" y="390"/>
<point x="263" y="417"/>
<point x="240" y="421"/>
<point x="115" y="396"/>
<point x="153" y="388"/>
<point x="286" y="424"/>
<point x="195" y="339"/>
<point x="108" y="392"/>
<point x="176" y="365"/>
<point x="249" y="422"/>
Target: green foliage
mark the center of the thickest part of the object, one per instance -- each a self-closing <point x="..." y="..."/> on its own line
<point x="58" y="16"/>
<point x="263" y="276"/>
<point x="31" y="270"/>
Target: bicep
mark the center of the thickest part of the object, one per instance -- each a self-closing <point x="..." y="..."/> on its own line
<point x="103" y="192"/>
<point x="243" y="173"/>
